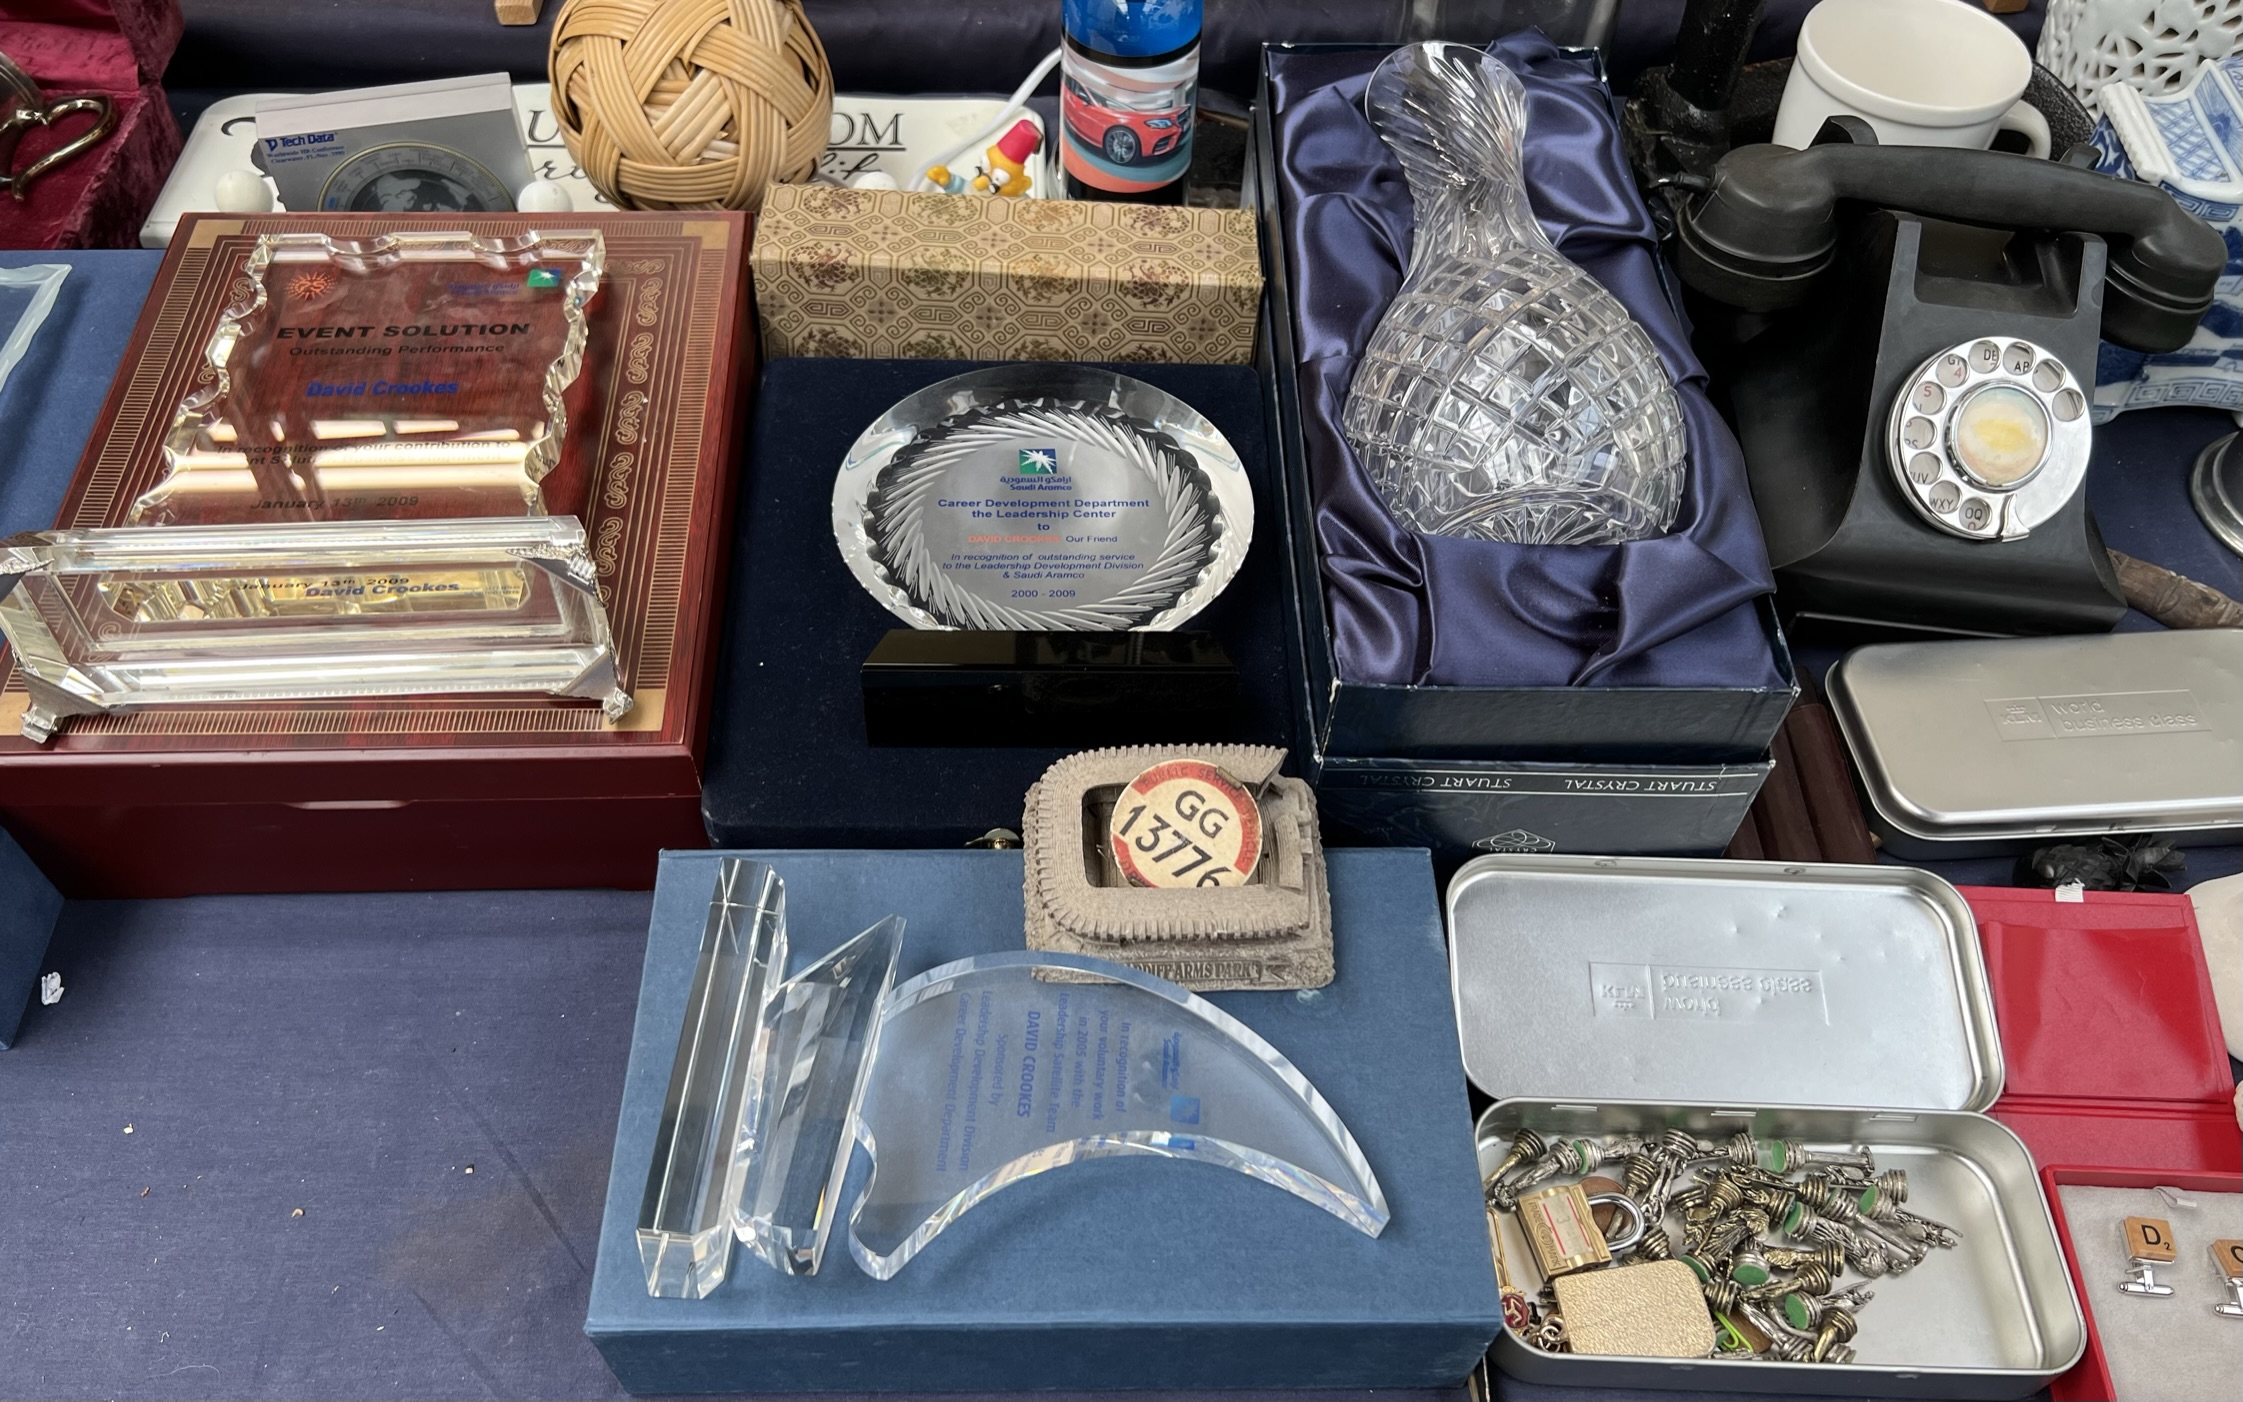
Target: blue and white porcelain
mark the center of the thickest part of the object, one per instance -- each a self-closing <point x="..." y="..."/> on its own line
<point x="2191" y="143"/>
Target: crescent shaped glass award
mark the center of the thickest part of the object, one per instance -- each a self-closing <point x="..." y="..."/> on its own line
<point x="988" y="1075"/>
<point x="838" y="1097"/>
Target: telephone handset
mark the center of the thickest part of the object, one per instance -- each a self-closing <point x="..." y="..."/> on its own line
<point x="1913" y="363"/>
<point x="1768" y="227"/>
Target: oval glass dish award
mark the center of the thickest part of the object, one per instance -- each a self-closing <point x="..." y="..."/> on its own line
<point x="1044" y="497"/>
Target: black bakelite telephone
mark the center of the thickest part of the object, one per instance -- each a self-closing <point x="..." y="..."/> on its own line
<point x="1910" y="363"/>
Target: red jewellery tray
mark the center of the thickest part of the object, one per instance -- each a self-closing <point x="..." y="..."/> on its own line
<point x="2110" y="1038"/>
<point x="2090" y="1379"/>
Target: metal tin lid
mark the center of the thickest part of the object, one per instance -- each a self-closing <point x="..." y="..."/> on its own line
<point x="1708" y="982"/>
<point x="2048" y="736"/>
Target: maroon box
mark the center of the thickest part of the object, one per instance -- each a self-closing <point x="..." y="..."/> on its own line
<point x="117" y="49"/>
<point x="458" y="792"/>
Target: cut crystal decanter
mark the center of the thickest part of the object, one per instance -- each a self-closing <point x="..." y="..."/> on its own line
<point x="1505" y="395"/>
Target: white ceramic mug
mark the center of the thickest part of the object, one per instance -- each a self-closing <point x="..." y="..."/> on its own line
<point x="1920" y="72"/>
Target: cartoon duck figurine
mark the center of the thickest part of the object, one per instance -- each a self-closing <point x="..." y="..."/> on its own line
<point x="1008" y="161"/>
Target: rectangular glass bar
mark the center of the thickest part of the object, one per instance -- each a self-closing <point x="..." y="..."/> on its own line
<point x="685" y="1221"/>
<point x="115" y="617"/>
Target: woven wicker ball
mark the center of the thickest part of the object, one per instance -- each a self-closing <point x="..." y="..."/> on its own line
<point x="690" y="104"/>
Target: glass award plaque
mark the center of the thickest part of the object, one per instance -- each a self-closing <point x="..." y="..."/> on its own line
<point x="988" y="1074"/>
<point x="352" y="501"/>
<point x="812" y="1057"/>
<point x="1043" y="497"/>
<point x="685" y="1220"/>
<point x="895" y="1110"/>
<point x="408" y="376"/>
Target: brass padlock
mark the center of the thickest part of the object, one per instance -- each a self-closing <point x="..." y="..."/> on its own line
<point x="1561" y="1228"/>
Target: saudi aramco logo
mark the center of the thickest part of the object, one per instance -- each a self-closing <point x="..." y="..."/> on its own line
<point x="1039" y="462"/>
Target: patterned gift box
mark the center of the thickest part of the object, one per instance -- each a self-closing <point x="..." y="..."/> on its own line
<point x="884" y="274"/>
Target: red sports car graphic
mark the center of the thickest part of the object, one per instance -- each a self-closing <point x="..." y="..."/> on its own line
<point x="1126" y="135"/>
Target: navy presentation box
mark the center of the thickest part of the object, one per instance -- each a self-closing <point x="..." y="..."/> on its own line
<point x="1665" y="771"/>
<point x="1116" y="1273"/>
<point x="29" y="907"/>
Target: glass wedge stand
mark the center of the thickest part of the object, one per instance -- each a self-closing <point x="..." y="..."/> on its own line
<point x="130" y="616"/>
<point x="816" y="1047"/>
<point x="1505" y="394"/>
<point x="685" y="1220"/>
<point x="405" y="376"/>
<point x="988" y="1075"/>
<point x="27" y="295"/>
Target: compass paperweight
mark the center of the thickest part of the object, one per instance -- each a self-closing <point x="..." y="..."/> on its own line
<point x="355" y="499"/>
<point x="1505" y="395"/>
<point x="1043" y="497"/>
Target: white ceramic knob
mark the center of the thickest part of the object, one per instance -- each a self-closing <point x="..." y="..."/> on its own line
<point x="242" y="192"/>
<point x="872" y="180"/>
<point x="544" y="197"/>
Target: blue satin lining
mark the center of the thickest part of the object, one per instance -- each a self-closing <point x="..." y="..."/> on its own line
<point x="1410" y="609"/>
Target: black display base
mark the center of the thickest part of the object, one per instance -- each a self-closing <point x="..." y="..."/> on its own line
<point x="1080" y="690"/>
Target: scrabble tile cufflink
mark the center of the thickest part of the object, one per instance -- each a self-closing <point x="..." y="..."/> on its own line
<point x="2227" y="1259"/>
<point x="2149" y="1242"/>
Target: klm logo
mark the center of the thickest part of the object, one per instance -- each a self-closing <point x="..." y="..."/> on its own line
<point x="1039" y="462"/>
